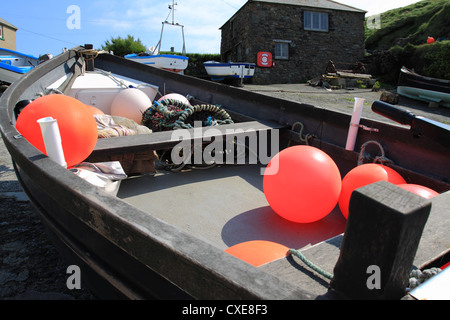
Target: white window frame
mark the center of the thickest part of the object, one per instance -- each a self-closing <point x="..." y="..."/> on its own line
<point x="315" y="21"/>
<point x="1" y="32"/>
<point x="282" y="49"/>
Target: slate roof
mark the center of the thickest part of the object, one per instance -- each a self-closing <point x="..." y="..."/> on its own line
<point x="6" y="23"/>
<point x="323" y="4"/>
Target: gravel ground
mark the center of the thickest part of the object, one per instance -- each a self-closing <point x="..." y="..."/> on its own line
<point x="32" y="269"/>
<point x="342" y="100"/>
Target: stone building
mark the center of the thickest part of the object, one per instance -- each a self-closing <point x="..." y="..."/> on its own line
<point x="7" y="35"/>
<point x="302" y="36"/>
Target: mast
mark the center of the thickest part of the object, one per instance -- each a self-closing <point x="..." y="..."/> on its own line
<point x="172" y="9"/>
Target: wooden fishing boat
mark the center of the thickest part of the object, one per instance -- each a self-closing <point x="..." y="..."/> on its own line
<point x="427" y="89"/>
<point x="14" y="64"/>
<point x="167" y="235"/>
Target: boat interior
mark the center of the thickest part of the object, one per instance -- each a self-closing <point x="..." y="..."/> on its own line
<point x="223" y="204"/>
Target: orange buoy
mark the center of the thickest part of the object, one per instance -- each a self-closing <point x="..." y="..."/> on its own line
<point x="94" y="110"/>
<point x="363" y="175"/>
<point x="77" y="126"/>
<point x="306" y="186"/>
<point x="420" y="190"/>
<point x="258" y="252"/>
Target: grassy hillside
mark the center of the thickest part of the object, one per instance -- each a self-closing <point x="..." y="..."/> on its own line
<point x="411" y="24"/>
<point x="401" y="41"/>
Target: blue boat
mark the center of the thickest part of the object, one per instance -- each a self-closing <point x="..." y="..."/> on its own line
<point x="14" y="64"/>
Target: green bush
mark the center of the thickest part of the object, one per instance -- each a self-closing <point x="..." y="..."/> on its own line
<point x="122" y="47"/>
<point x="438" y="56"/>
<point x="427" y="59"/>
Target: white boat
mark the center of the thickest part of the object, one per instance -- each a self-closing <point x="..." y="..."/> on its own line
<point x="220" y="70"/>
<point x="14" y="64"/>
<point x="170" y="62"/>
<point x="162" y="61"/>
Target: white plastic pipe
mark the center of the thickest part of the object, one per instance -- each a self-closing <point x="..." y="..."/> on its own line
<point x="52" y="140"/>
<point x="354" y="124"/>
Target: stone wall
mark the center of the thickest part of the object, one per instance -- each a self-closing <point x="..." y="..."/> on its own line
<point x="256" y="25"/>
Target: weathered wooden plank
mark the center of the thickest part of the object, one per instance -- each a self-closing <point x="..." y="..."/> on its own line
<point x="382" y="234"/>
<point x="169" y="139"/>
<point x="436" y="235"/>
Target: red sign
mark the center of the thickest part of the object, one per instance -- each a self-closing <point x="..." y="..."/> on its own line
<point x="264" y="59"/>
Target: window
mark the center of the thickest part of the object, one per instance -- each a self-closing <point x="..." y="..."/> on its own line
<point x="282" y="49"/>
<point x="315" y="21"/>
<point x="1" y="32"/>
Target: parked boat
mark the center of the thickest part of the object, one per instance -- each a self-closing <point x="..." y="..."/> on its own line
<point x="167" y="234"/>
<point x="221" y="70"/>
<point x="427" y="89"/>
<point x="14" y="64"/>
<point x="170" y="62"/>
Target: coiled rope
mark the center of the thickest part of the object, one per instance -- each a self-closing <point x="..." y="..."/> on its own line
<point x="416" y="276"/>
<point x="303" y="138"/>
<point x="381" y="159"/>
<point x="170" y="114"/>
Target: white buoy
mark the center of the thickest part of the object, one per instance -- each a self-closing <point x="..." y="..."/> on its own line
<point x="52" y="140"/>
<point x="130" y="103"/>
<point x="354" y="124"/>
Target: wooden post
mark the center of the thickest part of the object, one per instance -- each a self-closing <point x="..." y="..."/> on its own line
<point x="382" y="234"/>
<point x="89" y="62"/>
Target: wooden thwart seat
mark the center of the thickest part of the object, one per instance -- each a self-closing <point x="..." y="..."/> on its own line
<point x="136" y="153"/>
<point x="169" y="139"/>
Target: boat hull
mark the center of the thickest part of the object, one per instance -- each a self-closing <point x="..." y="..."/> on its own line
<point x="427" y="89"/>
<point x="172" y="63"/>
<point x="14" y="64"/>
<point x="238" y="70"/>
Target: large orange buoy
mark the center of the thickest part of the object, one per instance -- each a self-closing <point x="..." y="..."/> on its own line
<point x="430" y="40"/>
<point x="363" y="175"/>
<point x="306" y="186"/>
<point x="77" y="126"/>
<point x="95" y="110"/>
<point x="420" y="190"/>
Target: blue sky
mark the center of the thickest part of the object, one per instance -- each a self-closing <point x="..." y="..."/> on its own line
<point x="43" y="24"/>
